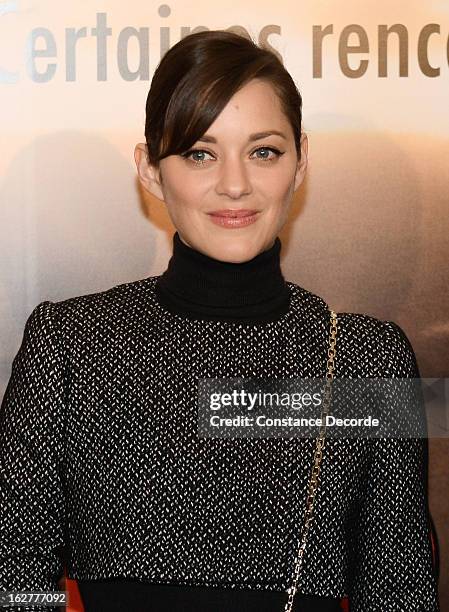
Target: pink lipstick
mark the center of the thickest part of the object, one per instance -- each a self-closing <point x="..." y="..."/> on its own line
<point x="234" y="218"/>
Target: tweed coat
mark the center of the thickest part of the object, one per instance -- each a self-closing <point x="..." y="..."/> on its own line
<point x="102" y="468"/>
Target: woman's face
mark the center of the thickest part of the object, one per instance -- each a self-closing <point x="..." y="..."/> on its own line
<point x="232" y="167"/>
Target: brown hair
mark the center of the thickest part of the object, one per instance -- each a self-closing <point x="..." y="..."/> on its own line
<point x="196" y="78"/>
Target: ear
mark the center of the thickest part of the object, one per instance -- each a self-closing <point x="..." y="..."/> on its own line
<point x="302" y="163"/>
<point x="149" y="176"/>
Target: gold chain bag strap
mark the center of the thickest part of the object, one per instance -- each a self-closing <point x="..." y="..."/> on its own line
<point x="313" y="482"/>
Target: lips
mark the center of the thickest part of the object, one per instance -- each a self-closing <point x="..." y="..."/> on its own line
<point x="234" y="219"/>
<point x="233" y="213"/>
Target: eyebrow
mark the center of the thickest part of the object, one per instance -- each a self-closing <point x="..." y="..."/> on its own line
<point x="252" y="137"/>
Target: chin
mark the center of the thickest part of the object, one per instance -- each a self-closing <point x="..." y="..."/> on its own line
<point x="235" y="250"/>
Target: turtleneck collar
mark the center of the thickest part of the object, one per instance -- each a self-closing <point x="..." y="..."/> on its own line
<point x="201" y="287"/>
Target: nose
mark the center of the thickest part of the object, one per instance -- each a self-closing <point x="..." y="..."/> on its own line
<point x="233" y="178"/>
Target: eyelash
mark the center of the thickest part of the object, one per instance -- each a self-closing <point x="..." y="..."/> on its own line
<point x="200" y="163"/>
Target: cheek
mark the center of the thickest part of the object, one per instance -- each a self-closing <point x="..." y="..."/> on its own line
<point x="186" y="190"/>
<point x="183" y="202"/>
<point x="276" y="181"/>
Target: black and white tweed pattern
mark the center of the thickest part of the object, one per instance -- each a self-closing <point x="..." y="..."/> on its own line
<point x="99" y="452"/>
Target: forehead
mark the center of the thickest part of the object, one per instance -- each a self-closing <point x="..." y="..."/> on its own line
<point x="256" y="89"/>
<point x="256" y="107"/>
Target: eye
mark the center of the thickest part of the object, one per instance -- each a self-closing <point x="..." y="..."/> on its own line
<point x="276" y="152"/>
<point x="200" y="152"/>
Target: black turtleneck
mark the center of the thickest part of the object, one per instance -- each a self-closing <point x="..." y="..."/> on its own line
<point x="198" y="286"/>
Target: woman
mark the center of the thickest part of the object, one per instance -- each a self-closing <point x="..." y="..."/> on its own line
<point x="100" y="448"/>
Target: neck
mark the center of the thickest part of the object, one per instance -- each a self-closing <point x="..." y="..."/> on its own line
<point x="201" y="287"/>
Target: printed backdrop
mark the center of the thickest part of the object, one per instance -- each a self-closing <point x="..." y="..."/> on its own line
<point x="369" y="229"/>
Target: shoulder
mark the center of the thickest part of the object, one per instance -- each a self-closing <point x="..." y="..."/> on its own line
<point x="366" y="345"/>
<point x="113" y="302"/>
<point x="97" y="312"/>
<point x="382" y="345"/>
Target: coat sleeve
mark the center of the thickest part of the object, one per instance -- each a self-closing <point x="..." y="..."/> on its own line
<point x="393" y="558"/>
<point x="31" y="457"/>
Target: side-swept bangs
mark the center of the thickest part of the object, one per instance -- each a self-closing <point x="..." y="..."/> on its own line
<point x="195" y="80"/>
